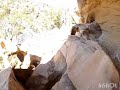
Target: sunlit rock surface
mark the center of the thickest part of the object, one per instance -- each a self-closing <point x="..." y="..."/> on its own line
<point x="107" y="14"/>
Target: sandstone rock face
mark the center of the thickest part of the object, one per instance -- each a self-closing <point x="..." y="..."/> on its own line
<point x="107" y="14"/>
<point x="80" y="64"/>
<point x="8" y="81"/>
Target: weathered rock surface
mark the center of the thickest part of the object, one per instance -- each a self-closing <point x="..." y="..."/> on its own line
<point x="64" y="84"/>
<point x="107" y="14"/>
<point x="8" y="80"/>
<point x="46" y="75"/>
<point x="80" y="63"/>
<point x="88" y="65"/>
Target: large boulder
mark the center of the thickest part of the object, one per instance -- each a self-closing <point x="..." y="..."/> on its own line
<point x="88" y="65"/>
<point x="46" y="75"/>
<point x="80" y="64"/>
<point x="107" y="14"/>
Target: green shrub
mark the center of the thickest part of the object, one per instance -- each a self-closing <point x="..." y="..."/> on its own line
<point x="16" y="16"/>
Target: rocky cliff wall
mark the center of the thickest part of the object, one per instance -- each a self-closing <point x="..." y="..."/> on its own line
<point x="107" y="14"/>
